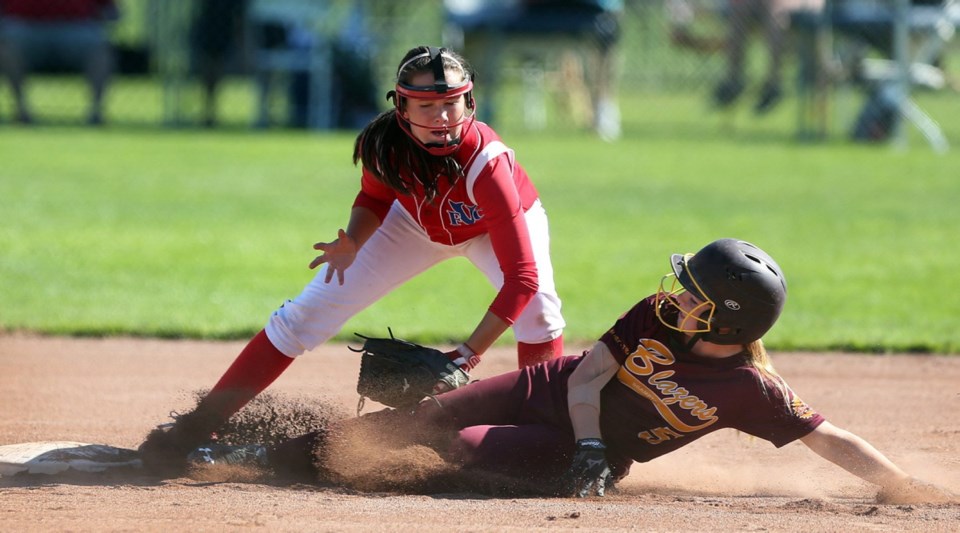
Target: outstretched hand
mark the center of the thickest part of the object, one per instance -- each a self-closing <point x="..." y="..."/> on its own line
<point x="338" y="255"/>
<point x="914" y="491"/>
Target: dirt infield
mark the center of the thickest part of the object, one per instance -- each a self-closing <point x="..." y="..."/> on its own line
<point x="113" y="391"/>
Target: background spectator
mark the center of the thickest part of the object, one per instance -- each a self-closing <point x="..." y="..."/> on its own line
<point x="57" y="35"/>
<point x="217" y="32"/>
<point x="773" y="17"/>
<point x="485" y="25"/>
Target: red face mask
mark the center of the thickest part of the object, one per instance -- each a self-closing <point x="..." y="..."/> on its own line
<point x="440" y="90"/>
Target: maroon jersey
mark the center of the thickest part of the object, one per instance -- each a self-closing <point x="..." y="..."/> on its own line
<point x="664" y="397"/>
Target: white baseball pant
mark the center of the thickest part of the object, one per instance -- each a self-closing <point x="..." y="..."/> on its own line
<point x="399" y="250"/>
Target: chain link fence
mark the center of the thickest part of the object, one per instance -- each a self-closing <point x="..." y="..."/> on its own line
<point x="326" y="64"/>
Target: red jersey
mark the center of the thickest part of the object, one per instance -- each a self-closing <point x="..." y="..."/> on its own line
<point x="664" y="397"/>
<point x="491" y="199"/>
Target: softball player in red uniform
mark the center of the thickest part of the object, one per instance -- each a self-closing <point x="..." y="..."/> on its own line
<point x="436" y="184"/>
<point x="682" y="363"/>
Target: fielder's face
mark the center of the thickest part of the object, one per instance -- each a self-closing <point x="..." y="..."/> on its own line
<point x="435" y="121"/>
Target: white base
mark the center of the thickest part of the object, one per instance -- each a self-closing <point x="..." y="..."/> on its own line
<point x="54" y="457"/>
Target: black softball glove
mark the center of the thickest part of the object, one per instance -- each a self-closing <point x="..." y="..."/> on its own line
<point x="399" y="373"/>
<point x="589" y="471"/>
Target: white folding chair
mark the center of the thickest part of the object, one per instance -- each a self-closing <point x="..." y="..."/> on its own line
<point x="919" y="35"/>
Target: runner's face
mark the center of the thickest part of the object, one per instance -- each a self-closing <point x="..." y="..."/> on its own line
<point x="431" y="119"/>
<point x="691" y="309"/>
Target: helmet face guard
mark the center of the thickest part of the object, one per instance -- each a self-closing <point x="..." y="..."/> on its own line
<point x="440" y="90"/>
<point x="675" y="317"/>
<point x="742" y="287"/>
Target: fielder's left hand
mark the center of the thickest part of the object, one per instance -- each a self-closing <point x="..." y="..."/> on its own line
<point x="338" y="255"/>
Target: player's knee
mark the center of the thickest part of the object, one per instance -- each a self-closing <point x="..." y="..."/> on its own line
<point x="540" y="322"/>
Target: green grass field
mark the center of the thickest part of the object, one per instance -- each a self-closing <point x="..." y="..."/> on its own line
<point x="189" y="233"/>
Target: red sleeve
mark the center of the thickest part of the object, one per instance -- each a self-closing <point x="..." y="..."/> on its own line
<point x="374" y="195"/>
<point x="503" y="214"/>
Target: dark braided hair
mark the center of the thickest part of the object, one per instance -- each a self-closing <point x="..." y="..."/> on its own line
<point x="384" y="147"/>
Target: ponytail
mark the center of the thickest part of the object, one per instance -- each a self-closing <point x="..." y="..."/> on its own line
<point x="758" y="358"/>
